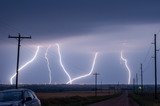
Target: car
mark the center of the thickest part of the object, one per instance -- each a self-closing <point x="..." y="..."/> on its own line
<point x="18" y="97"/>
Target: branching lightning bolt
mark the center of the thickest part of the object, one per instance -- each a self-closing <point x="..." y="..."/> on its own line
<point x="61" y="63"/>
<point x="92" y="69"/>
<point x="48" y="65"/>
<point x="129" y="71"/>
<point x="60" y="60"/>
<point x="11" y="79"/>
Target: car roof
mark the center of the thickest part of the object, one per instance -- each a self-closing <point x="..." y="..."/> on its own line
<point x="21" y="89"/>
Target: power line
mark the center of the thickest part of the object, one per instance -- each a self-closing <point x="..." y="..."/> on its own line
<point x="148" y="51"/>
<point x="147" y="65"/>
<point x="10" y="26"/>
<point x="158" y="32"/>
<point x="146" y="62"/>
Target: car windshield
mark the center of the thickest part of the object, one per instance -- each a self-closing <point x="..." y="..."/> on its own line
<point x="10" y="96"/>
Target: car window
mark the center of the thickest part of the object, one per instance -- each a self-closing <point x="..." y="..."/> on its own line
<point x="33" y="94"/>
<point x="10" y="96"/>
<point x="28" y="94"/>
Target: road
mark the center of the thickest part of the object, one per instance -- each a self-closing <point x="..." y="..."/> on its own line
<point x="122" y="100"/>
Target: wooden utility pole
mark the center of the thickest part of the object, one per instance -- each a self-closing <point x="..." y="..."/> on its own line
<point x="155" y="64"/>
<point x="141" y="79"/>
<point x="134" y="85"/>
<point x="96" y="74"/>
<point x="137" y="79"/>
<point x="137" y="82"/>
<point x="19" y="38"/>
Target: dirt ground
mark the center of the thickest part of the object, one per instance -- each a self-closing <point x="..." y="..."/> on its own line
<point x="122" y="100"/>
<point x="76" y="93"/>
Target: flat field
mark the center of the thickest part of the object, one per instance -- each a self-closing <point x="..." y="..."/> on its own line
<point x="78" y="98"/>
<point x="73" y="93"/>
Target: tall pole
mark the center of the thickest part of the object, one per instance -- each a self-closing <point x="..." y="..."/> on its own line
<point x="141" y="79"/>
<point x="19" y="37"/>
<point x="136" y="79"/>
<point x="136" y="82"/>
<point x="18" y="53"/>
<point x="134" y="85"/>
<point x="155" y="58"/>
<point x="101" y="86"/>
<point x="96" y="74"/>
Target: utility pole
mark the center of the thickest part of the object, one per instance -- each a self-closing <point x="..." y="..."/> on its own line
<point x="96" y="74"/>
<point x="134" y="85"/>
<point x="155" y="64"/>
<point x="19" y="38"/>
<point x="136" y="82"/>
<point x="101" y="87"/>
<point x="141" y="79"/>
<point x="136" y="79"/>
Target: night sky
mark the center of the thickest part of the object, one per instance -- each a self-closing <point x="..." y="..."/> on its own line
<point x="81" y="28"/>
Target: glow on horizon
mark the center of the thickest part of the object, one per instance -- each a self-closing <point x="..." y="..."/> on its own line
<point x="60" y="60"/>
<point x="48" y="65"/>
<point x="20" y="69"/>
<point x="129" y="71"/>
<point x="92" y="69"/>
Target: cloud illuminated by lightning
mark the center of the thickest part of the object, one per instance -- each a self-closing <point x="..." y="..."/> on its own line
<point x="60" y="60"/>
<point x="20" y="69"/>
<point x="92" y="69"/>
<point x="48" y="65"/>
<point x="129" y="71"/>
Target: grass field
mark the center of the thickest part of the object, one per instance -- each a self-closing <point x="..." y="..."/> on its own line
<point x="145" y="99"/>
<point x="73" y="98"/>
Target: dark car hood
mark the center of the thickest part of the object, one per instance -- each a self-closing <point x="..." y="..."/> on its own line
<point x="9" y="103"/>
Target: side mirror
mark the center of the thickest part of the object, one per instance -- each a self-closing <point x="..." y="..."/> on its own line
<point x="28" y="99"/>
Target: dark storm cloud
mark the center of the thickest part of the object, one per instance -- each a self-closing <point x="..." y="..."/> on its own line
<point x="81" y="27"/>
<point x="61" y="18"/>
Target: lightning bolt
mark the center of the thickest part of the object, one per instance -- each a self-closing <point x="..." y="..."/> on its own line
<point x="20" y="69"/>
<point x="129" y="71"/>
<point x="61" y="63"/>
<point x="60" y="60"/>
<point x="92" y="68"/>
<point x="48" y="65"/>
